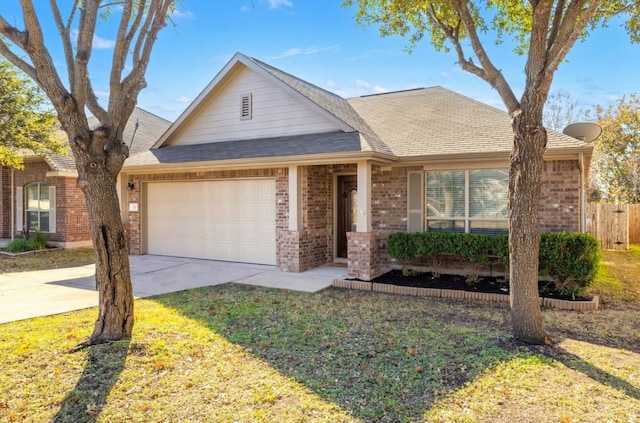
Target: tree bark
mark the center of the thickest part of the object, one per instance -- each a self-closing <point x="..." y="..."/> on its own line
<point x="113" y="280"/>
<point x="98" y="163"/>
<point x="525" y="173"/>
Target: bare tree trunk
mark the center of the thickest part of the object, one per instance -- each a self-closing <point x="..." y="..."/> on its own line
<point x="525" y="173"/>
<point x="98" y="168"/>
<point x="113" y="280"/>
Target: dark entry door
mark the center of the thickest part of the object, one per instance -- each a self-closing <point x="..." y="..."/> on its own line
<point x="347" y="210"/>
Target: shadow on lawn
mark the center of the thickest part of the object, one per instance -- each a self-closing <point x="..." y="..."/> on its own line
<point x="578" y="364"/>
<point x="380" y="357"/>
<point x="103" y="367"/>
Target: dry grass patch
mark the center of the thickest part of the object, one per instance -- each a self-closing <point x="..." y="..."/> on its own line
<point x="249" y="354"/>
<point x="241" y="353"/>
<point x="44" y="260"/>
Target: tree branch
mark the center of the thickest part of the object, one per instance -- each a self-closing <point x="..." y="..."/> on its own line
<point x="489" y="72"/>
<point x="42" y="69"/>
<point x="569" y="29"/>
<point x="84" y="44"/>
<point x="65" y="36"/>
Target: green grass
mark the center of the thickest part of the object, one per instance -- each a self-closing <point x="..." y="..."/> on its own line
<point x="50" y="259"/>
<point x="249" y="354"/>
<point x="618" y="279"/>
<point x="239" y="353"/>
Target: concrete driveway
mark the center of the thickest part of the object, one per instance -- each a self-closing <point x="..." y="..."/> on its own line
<point x="40" y="293"/>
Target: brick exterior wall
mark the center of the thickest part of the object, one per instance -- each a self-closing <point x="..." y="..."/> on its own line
<point x="560" y="196"/>
<point x="72" y="219"/>
<point x="559" y="205"/>
<point x="364" y="255"/>
<point x="313" y="244"/>
<point x="296" y="251"/>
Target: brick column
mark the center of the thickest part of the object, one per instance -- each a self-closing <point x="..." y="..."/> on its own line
<point x="288" y="251"/>
<point x="363" y="252"/>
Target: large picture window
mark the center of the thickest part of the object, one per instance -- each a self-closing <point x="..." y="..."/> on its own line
<point x="472" y="201"/>
<point x="38" y="207"/>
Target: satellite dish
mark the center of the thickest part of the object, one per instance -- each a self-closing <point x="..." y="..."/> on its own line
<point x="584" y="131"/>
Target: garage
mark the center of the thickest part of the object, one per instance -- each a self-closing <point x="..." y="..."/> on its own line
<point x="230" y="220"/>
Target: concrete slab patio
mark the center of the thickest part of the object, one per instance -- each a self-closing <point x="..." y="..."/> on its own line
<point x="25" y="295"/>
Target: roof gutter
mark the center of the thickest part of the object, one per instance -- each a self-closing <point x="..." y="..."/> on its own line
<point x="282" y="161"/>
<point x="568" y="153"/>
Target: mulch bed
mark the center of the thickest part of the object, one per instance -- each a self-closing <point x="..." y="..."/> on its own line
<point x="493" y="285"/>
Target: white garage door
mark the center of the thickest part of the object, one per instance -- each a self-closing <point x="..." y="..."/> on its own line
<point x="231" y="220"/>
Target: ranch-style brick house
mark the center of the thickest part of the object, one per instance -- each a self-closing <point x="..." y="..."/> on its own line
<point x="264" y="167"/>
<point x="43" y="196"/>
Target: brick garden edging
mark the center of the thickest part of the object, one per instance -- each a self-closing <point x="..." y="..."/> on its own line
<point x="453" y="293"/>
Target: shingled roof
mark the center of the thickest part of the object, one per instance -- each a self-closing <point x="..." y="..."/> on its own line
<point x="142" y="130"/>
<point x="404" y="125"/>
<point x="436" y="121"/>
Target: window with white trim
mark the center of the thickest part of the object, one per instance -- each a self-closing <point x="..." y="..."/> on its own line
<point x="39" y="207"/>
<point x="471" y="201"/>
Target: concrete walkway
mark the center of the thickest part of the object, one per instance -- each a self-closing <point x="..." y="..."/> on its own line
<point x="40" y="293"/>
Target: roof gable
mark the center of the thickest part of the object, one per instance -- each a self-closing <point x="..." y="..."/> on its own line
<point x="278" y="106"/>
<point x="140" y="133"/>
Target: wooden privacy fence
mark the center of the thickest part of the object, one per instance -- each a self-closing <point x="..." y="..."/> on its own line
<point x="634" y="224"/>
<point x="615" y="225"/>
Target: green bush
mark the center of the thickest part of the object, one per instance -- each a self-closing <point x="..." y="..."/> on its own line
<point x="39" y="240"/>
<point x="36" y="242"/>
<point x="19" y="245"/>
<point x="571" y="259"/>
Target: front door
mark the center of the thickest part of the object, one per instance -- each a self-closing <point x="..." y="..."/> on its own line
<point x="347" y="211"/>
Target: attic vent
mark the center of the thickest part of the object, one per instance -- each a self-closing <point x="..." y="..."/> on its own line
<point x="245" y="107"/>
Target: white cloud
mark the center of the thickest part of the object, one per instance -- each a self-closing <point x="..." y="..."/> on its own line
<point x="287" y="53"/>
<point x="182" y="14"/>
<point x="275" y="4"/>
<point x="183" y="99"/>
<point x="295" y="51"/>
<point x="98" y="42"/>
<point x="102" y="43"/>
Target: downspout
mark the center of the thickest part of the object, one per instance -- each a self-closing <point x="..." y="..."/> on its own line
<point x="13" y="205"/>
<point x="583" y="197"/>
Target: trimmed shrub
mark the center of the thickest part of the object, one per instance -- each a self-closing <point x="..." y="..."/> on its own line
<point x="571" y="259"/>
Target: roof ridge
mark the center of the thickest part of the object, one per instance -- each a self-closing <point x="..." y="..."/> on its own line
<point x="271" y="69"/>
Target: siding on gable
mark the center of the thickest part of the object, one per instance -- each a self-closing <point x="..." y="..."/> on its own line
<point x="275" y="112"/>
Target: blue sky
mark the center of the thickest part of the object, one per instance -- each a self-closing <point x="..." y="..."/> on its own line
<point x="320" y="42"/>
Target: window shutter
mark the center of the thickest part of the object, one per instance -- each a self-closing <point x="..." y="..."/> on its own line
<point x="19" y="208"/>
<point x="246" y="107"/>
<point x="414" y="202"/>
<point x="52" y="209"/>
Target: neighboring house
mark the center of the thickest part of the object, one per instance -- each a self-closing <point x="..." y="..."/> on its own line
<point x="44" y="197"/>
<point x="266" y="168"/>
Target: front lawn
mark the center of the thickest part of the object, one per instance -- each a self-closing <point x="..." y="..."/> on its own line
<point x="44" y="260"/>
<point x="249" y="354"/>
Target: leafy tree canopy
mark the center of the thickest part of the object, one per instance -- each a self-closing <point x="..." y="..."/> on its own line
<point x="616" y="161"/>
<point x="466" y="25"/>
<point x="27" y="126"/>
